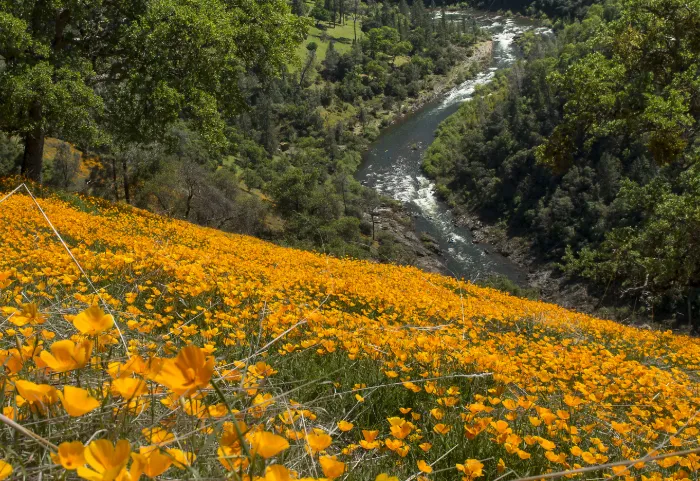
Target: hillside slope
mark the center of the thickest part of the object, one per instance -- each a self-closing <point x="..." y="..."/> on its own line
<point x="333" y="368"/>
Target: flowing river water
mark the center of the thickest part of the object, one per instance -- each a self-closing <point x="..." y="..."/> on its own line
<point x="392" y="165"/>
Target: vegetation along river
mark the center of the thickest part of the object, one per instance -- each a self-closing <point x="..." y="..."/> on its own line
<point x="392" y="164"/>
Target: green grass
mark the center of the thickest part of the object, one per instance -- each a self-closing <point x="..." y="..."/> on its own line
<point x="401" y="60"/>
<point x="343" y="36"/>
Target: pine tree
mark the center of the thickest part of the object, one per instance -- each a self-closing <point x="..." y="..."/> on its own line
<point x="418" y="14"/>
<point x="403" y="9"/>
<point x="299" y="7"/>
<point x="330" y="63"/>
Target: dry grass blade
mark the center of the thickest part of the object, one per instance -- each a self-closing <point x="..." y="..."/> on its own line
<point x="19" y="428"/>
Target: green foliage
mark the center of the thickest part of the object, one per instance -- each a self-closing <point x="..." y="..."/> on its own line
<point x="657" y="249"/>
<point x="10" y="154"/>
<point x="504" y="284"/>
<point x="381" y="40"/>
<point x="589" y="148"/>
<point x="91" y="72"/>
<point x="641" y="81"/>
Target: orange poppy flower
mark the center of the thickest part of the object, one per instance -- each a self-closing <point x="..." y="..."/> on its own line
<point x="5" y="470"/>
<point x="129" y="387"/>
<point x="331" y="467"/>
<point x="424" y="467"/>
<point x="28" y="315"/>
<point x="93" y="320"/>
<point x="149" y="461"/>
<point x="318" y="440"/>
<point x="345" y="426"/>
<point x="71" y="455"/>
<point x="77" y="401"/>
<point x="67" y="355"/>
<point x="39" y="394"/>
<point x="267" y="444"/>
<point x="189" y="371"/>
<point x="106" y="460"/>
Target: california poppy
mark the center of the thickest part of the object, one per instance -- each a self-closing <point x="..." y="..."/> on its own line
<point x="77" y="401"/>
<point x="71" y="455"/>
<point x="106" y="460"/>
<point x="189" y="371"/>
<point x="67" y="355"/>
<point x="93" y="320"/>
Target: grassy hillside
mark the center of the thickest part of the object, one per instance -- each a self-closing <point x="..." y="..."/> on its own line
<point x="342" y="35"/>
<point x="331" y="368"/>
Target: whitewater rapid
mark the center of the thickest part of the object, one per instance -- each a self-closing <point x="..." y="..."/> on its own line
<point x="392" y="165"/>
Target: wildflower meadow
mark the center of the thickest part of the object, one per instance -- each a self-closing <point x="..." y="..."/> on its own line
<point x="140" y="347"/>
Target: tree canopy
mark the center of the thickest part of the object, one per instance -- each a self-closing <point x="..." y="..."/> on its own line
<point x="124" y="71"/>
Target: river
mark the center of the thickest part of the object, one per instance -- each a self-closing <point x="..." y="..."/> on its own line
<point x="392" y="165"/>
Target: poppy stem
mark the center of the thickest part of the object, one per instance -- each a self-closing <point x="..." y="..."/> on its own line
<point x="245" y="447"/>
<point x="4" y="419"/>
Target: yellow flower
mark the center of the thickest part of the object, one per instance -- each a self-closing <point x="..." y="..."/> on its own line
<point x="472" y="468"/>
<point x="393" y="444"/>
<point x="105" y="459"/>
<point x="424" y="467"/>
<point x="385" y="477"/>
<point x="128" y="387"/>
<point x="400" y="428"/>
<point x="157" y="435"/>
<point x="149" y="461"/>
<point x="425" y="446"/>
<point x="318" y="440"/>
<point x="67" y="355"/>
<point x="547" y="444"/>
<point x="231" y="458"/>
<point x="93" y="320"/>
<point x="267" y="444"/>
<point x="588" y="457"/>
<point x="29" y="315"/>
<point x="442" y="428"/>
<point x="331" y="467"/>
<point x="181" y="458"/>
<point x="5" y="470"/>
<point x="70" y="455"/>
<point x="189" y="371"/>
<point x="41" y="394"/>
<point x="345" y="426"/>
<point x="277" y="472"/>
<point x="77" y="401"/>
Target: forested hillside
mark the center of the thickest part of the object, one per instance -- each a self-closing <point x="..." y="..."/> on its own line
<point x="589" y="149"/>
<point x="259" y="132"/>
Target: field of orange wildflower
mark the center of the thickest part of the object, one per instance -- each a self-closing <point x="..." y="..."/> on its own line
<point x="188" y="353"/>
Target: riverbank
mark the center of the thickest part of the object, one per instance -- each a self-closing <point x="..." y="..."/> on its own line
<point x="458" y="74"/>
<point x="439" y="85"/>
<point x="543" y="276"/>
<point x="395" y="218"/>
<point x="392" y="165"/>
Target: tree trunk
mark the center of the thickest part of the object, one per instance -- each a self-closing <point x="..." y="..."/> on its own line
<point x="354" y="25"/>
<point x="188" y="206"/>
<point x="33" y="159"/>
<point x="127" y="193"/>
<point x="115" y="182"/>
<point x="690" y="308"/>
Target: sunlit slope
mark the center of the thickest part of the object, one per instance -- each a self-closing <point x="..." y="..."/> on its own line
<point x="559" y="389"/>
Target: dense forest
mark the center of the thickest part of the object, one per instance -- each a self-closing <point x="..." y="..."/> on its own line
<point x="263" y="142"/>
<point x="589" y="149"/>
